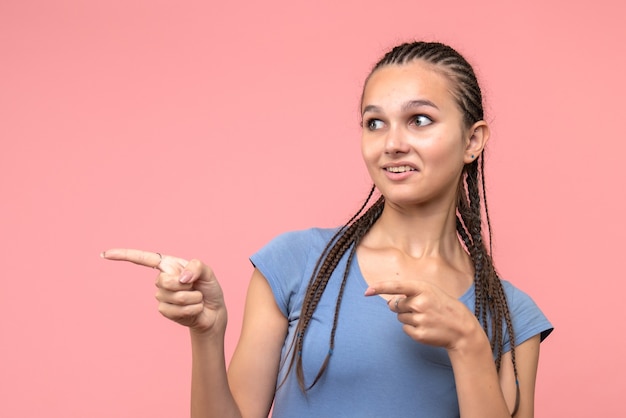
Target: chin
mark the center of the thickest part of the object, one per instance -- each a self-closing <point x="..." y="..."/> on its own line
<point x="418" y="198"/>
<point x="405" y="199"/>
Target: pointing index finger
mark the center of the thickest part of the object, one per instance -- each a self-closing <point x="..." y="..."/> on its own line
<point x="143" y="258"/>
<point x="394" y="287"/>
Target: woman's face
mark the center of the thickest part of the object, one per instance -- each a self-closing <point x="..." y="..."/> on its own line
<point x="414" y="142"/>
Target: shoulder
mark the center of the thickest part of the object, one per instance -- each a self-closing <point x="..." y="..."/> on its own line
<point x="294" y="242"/>
<point x="311" y="236"/>
<point x="288" y="260"/>
<point x="291" y="249"/>
<point x="517" y="298"/>
<point x="528" y="319"/>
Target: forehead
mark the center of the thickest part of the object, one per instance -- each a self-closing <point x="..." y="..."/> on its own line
<point x="396" y="84"/>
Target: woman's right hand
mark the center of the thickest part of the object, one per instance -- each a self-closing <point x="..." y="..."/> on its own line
<point x="188" y="292"/>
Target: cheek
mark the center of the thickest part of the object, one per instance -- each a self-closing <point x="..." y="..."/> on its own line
<point x="444" y="147"/>
<point x="368" y="151"/>
<point x="444" y="155"/>
<point x="440" y="154"/>
<point x="370" y="158"/>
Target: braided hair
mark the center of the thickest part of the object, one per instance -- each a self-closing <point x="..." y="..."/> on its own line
<point x="491" y="308"/>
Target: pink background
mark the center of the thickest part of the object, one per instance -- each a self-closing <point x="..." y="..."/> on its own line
<point x="203" y="129"/>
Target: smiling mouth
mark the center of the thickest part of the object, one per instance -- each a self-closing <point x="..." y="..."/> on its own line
<point x="400" y="169"/>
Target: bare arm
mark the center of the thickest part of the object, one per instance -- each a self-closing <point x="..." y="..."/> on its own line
<point x="188" y="293"/>
<point x="253" y="370"/>
<point x="527" y="359"/>
<point x="432" y="317"/>
<point x="484" y="393"/>
<point x="248" y="388"/>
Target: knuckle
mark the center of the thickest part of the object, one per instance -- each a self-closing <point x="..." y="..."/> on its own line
<point x="181" y="298"/>
<point x="179" y="312"/>
<point x="420" y="335"/>
<point x="416" y="332"/>
<point x="168" y="282"/>
<point x="198" y="266"/>
<point x="194" y="264"/>
<point x="163" y="309"/>
<point x="189" y="310"/>
<point x="420" y="304"/>
<point x="197" y="296"/>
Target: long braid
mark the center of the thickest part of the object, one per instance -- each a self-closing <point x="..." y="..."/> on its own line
<point x="484" y="190"/>
<point x="491" y="307"/>
<point x="316" y="280"/>
<point x="346" y="238"/>
<point x="491" y="300"/>
<point x="320" y="272"/>
<point x="502" y="297"/>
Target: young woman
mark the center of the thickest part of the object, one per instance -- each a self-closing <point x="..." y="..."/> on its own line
<point x="398" y="313"/>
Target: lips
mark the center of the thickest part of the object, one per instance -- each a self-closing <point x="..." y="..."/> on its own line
<point x="399" y="169"/>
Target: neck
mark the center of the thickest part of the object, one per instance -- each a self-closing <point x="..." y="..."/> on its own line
<point x="417" y="231"/>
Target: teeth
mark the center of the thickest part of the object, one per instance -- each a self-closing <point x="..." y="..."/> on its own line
<point x="400" y="169"/>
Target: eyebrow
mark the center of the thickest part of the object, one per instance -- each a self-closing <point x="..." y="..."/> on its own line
<point x="418" y="103"/>
<point x="406" y="106"/>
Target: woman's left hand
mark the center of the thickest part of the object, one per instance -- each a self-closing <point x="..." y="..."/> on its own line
<point x="428" y="314"/>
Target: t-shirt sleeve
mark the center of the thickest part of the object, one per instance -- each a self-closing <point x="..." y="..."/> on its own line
<point x="283" y="262"/>
<point x="528" y="320"/>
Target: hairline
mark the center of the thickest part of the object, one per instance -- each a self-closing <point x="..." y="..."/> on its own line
<point x="437" y="68"/>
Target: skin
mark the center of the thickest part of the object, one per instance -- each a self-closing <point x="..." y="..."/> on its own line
<point x="409" y="119"/>
<point x="189" y="293"/>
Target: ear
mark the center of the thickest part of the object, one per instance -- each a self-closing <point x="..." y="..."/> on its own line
<point x="478" y="135"/>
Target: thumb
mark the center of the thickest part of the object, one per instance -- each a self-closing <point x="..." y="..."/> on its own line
<point x="196" y="270"/>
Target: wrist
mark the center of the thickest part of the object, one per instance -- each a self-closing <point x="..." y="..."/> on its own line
<point x="473" y="341"/>
<point x="216" y="330"/>
<point x="205" y="338"/>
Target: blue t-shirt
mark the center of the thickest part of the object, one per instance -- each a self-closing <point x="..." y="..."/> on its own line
<point x="376" y="369"/>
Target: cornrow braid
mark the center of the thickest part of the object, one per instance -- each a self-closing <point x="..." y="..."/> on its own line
<point x="448" y="61"/>
<point x="491" y="307"/>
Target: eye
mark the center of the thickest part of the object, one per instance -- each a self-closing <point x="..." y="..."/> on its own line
<point x="422" y="120"/>
<point x="373" y="124"/>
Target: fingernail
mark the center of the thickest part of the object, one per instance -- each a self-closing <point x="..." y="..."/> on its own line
<point x="370" y="291"/>
<point x="185" y="277"/>
<point x="103" y="254"/>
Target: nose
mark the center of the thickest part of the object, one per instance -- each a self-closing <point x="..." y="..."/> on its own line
<point x="396" y="141"/>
